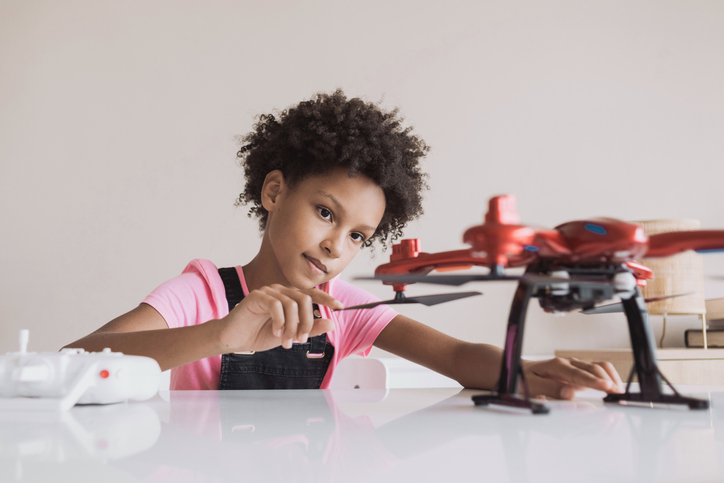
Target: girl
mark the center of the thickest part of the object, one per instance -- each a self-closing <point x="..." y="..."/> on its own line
<point x="330" y="176"/>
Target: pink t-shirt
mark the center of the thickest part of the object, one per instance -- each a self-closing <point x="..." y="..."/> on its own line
<point x="198" y="295"/>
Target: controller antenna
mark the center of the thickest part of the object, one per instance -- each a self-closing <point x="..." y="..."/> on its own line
<point x="24" y="338"/>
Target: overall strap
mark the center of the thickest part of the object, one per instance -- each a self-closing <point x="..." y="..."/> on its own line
<point x="232" y="284"/>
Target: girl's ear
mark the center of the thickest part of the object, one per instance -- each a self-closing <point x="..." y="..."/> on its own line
<point x="273" y="186"/>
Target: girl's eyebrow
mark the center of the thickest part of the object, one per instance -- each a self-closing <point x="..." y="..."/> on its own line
<point x="340" y="208"/>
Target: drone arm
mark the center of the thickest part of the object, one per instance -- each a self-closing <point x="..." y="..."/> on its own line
<point x="427" y="262"/>
<point x="667" y="244"/>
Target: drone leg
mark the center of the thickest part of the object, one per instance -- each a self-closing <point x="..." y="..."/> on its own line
<point x="644" y="352"/>
<point x="511" y="367"/>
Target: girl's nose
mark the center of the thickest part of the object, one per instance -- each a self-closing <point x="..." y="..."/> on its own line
<point x="333" y="245"/>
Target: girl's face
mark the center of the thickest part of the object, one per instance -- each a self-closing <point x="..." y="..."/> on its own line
<point x="316" y="228"/>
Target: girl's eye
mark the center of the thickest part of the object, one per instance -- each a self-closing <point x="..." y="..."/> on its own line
<point x="324" y="213"/>
<point x="358" y="237"/>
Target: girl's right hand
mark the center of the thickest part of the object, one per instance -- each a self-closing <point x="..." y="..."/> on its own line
<point x="275" y="315"/>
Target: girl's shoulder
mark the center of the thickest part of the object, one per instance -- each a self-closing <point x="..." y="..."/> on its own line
<point x="204" y="268"/>
<point x="192" y="297"/>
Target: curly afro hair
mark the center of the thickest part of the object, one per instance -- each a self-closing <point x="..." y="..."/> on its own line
<point x="331" y="131"/>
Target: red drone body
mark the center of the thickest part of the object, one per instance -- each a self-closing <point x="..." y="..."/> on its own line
<point x="501" y="242"/>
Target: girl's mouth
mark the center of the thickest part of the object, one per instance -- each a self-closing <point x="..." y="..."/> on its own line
<point x="316" y="264"/>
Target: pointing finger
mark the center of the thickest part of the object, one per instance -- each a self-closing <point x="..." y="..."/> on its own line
<point x="323" y="298"/>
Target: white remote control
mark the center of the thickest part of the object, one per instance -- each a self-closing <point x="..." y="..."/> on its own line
<point x="59" y="380"/>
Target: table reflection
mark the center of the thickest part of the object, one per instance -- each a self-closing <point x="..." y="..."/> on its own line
<point x="33" y="441"/>
<point x="357" y="435"/>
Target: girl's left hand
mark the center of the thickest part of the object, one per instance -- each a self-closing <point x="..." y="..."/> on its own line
<point x="560" y="378"/>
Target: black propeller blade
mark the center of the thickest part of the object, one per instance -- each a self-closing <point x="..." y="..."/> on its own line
<point x="463" y="279"/>
<point x="604" y="309"/>
<point x="424" y="299"/>
<point x="440" y="279"/>
<point x="618" y="307"/>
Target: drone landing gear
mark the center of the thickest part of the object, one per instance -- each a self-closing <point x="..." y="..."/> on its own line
<point x="649" y="375"/>
<point x="512" y="400"/>
<point x="651" y="399"/>
<point x="511" y="369"/>
<point x="642" y="343"/>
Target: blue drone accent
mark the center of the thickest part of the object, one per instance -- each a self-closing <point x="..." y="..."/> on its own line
<point x="531" y="248"/>
<point x="597" y="229"/>
<point x="713" y="250"/>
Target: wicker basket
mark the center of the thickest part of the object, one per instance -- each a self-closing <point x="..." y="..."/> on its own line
<point x="679" y="274"/>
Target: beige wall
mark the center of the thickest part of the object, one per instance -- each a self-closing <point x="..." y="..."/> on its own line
<point x="117" y="125"/>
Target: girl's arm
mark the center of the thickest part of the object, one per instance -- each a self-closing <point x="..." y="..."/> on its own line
<point x="143" y="332"/>
<point x="478" y="365"/>
<point x="266" y="318"/>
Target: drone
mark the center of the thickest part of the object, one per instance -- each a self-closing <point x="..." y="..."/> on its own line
<point x="575" y="266"/>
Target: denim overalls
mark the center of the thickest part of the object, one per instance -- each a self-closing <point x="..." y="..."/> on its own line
<point x="301" y="367"/>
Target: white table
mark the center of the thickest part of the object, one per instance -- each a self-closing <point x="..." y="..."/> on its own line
<point x="395" y="435"/>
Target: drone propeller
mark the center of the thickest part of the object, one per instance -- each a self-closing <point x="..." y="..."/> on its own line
<point x="456" y="280"/>
<point x="424" y="299"/>
<point x="618" y="306"/>
<point x="463" y="279"/>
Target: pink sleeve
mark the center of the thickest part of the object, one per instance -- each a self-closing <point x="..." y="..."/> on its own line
<point x="195" y="296"/>
<point x="358" y="329"/>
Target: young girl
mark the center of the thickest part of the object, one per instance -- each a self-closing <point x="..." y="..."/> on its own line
<point x="328" y="177"/>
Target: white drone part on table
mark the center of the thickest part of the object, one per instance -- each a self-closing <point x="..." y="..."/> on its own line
<point x="60" y="380"/>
